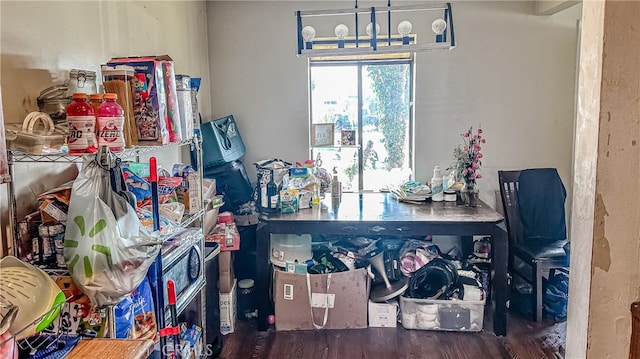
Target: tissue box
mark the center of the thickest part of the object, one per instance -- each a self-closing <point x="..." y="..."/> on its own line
<point x="383" y="314"/>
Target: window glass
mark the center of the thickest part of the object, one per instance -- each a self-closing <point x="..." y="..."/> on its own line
<point x="369" y="104"/>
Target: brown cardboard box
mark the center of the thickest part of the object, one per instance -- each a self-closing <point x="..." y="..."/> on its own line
<point x="226" y="235"/>
<point x="228" y="310"/>
<point x="226" y="276"/>
<point x="347" y="297"/>
<point x="150" y="97"/>
<point x="188" y="191"/>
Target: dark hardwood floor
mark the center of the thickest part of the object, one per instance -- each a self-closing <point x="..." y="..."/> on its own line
<point x="525" y="339"/>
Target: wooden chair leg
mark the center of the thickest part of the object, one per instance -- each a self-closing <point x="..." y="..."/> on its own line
<point x="537" y="292"/>
<point x="634" y="348"/>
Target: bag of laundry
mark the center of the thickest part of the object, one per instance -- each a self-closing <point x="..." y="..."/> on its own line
<point x="106" y="248"/>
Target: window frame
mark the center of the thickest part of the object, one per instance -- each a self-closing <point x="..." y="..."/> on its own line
<point x="360" y="64"/>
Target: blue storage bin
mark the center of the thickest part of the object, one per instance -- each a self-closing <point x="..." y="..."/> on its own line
<point x="221" y="142"/>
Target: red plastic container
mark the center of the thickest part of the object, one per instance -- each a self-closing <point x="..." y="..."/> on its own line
<point x="110" y="122"/>
<point x="81" y="120"/>
<point x="225" y="217"/>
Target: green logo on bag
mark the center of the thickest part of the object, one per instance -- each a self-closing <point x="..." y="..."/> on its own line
<point x="70" y="243"/>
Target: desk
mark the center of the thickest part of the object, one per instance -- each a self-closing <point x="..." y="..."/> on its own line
<point x="378" y="214"/>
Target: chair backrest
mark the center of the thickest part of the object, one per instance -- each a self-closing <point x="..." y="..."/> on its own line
<point x="541" y="197"/>
<point x="508" y="181"/>
<point x="533" y="201"/>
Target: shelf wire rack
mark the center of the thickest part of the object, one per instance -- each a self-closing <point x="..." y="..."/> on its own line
<point x="53" y="339"/>
<point x="17" y="156"/>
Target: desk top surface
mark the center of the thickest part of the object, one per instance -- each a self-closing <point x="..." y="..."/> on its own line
<point x="376" y="207"/>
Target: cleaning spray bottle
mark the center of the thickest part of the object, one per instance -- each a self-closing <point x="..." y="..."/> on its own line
<point x="335" y="185"/>
<point x="437" y="190"/>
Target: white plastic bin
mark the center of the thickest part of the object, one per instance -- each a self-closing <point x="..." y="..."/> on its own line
<point x="448" y="315"/>
<point x="289" y="248"/>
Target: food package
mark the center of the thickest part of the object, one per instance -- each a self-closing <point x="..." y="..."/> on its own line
<point x="150" y="98"/>
<point x="188" y="190"/>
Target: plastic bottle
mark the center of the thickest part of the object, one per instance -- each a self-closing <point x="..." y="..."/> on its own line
<point x="437" y="190"/>
<point x="95" y="99"/>
<point x="81" y="120"/>
<point x="335" y="185"/>
<point x="110" y="123"/>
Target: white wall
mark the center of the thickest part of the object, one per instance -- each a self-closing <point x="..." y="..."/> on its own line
<point x="513" y="73"/>
<point x="41" y="41"/>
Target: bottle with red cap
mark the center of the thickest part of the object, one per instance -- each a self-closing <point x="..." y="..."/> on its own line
<point x="110" y="122"/>
<point x="81" y="120"/>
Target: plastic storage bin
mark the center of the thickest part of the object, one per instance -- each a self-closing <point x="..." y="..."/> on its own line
<point x="448" y="315"/>
<point x="36" y="135"/>
<point x="289" y="248"/>
<point x="221" y="142"/>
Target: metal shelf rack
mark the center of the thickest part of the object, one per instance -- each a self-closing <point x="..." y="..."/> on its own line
<point x="17" y="157"/>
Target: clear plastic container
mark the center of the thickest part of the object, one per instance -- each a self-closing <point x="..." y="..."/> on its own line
<point x="118" y="72"/>
<point x="290" y="248"/>
<point x="110" y="122"/>
<point x="81" y="120"/>
<point x="36" y="135"/>
<point x="447" y="315"/>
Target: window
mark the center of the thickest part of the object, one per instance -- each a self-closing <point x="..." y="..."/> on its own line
<point x="369" y="103"/>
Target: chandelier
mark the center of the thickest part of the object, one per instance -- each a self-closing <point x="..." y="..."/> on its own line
<point x="376" y="38"/>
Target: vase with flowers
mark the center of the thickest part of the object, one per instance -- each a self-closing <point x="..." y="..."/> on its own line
<point x="467" y="163"/>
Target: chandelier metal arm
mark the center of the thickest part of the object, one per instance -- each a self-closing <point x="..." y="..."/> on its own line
<point x="372" y="43"/>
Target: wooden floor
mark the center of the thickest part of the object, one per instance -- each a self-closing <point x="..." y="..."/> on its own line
<point x="525" y="339"/>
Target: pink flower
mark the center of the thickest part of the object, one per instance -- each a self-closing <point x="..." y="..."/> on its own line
<point x="467" y="155"/>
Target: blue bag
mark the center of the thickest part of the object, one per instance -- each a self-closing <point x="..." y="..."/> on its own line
<point x="221" y="142"/>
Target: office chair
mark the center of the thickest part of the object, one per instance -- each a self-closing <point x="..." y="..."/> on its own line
<point x="533" y="202"/>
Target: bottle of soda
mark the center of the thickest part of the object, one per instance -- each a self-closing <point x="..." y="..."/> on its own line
<point x="110" y="123"/>
<point x="81" y="120"/>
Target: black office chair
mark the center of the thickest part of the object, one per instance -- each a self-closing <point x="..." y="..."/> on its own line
<point x="533" y="202"/>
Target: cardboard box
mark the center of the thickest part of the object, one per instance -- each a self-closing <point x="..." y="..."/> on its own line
<point x="226" y="276"/>
<point x="210" y="219"/>
<point x="344" y="302"/>
<point x="188" y="191"/>
<point x="78" y="316"/>
<point x="226" y="235"/>
<point x="228" y="307"/>
<point x="383" y="315"/>
<point x="150" y="98"/>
